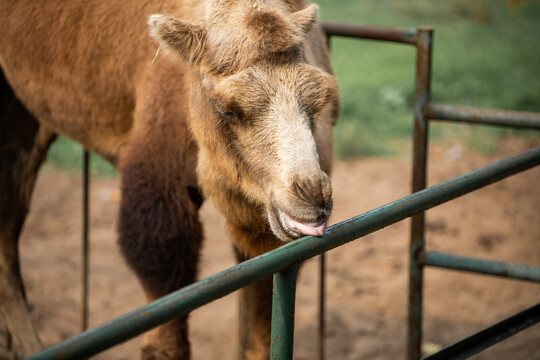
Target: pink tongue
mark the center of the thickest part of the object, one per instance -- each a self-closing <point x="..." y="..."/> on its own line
<point x="306" y="229"/>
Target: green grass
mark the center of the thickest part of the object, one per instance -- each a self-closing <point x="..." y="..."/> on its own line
<point x="67" y="155"/>
<point x="485" y="55"/>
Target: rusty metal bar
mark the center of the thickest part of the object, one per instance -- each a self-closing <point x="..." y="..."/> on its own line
<point x="489" y="336"/>
<point x="405" y="36"/>
<point x="85" y="240"/>
<point x="483" y="116"/>
<point x="202" y="292"/>
<point x="283" y="305"/>
<point x="483" y="266"/>
<point x="417" y="242"/>
<point x="85" y="236"/>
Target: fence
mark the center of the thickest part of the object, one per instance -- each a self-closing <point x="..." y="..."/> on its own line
<point x="282" y="261"/>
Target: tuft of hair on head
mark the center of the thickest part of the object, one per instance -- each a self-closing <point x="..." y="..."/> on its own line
<point x="183" y="40"/>
<point x="272" y="32"/>
<point x="306" y="18"/>
<point x="276" y="33"/>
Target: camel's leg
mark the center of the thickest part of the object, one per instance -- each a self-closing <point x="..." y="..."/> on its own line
<point x="160" y="232"/>
<point x="255" y="305"/>
<point x="255" y="320"/>
<point x="23" y="147"/>
<point x="255" y="300"/>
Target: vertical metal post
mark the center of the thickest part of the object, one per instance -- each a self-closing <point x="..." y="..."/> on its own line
<point x="423" y="96"/>
<point x="85" y="248"/>
<point x="322" y="283"/>
<point x="283" y="302"/>
<point x="322" y="306"/>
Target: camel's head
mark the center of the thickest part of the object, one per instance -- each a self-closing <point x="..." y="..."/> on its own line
<point x="260" y="112"/>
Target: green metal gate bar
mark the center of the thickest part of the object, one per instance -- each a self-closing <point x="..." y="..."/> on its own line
<point x="424" y="48"/>
<point x="283" y="303"/>
<point x="424" y="112"/>
<point x="490" y="336"/>
<point x="488" y="267"/>
<point x="471" y="115"/>
<point x="195" y="295"/>
<point x="368" y="32"/>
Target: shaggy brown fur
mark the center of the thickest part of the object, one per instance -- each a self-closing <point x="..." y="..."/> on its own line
<point x="239" y="105"/>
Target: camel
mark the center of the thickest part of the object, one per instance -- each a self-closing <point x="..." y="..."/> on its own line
<point x="233" y="101"/>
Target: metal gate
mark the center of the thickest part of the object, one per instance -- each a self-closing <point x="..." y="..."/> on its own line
<point x="282" y="261"/>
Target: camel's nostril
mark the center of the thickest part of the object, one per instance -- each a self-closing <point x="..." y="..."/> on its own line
<point x="326" y="190"/>
<point x="320" y="220"/>
<point x="327" y="209"/>
<point x="302" y="192"/>
<point x="317" y="192"/>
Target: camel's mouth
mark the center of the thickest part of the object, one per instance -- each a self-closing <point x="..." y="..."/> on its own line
<point x="298" y="228"/>
<point x="287" y="228"/>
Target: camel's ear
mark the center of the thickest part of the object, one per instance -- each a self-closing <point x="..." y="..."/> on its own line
<point x="305" y="19"/>
<point x="178" y="37"/>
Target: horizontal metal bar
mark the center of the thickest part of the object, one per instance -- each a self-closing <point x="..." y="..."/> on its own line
<point x="483" y="266"/>
<point x="405" y="36"/>
<point x="489" y="336"/>
<point x="471" y="115"/>
<point x="202" y="292"/>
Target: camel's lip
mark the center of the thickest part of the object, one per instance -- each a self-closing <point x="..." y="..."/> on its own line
<point x="296" y="228"/>
<point x="315" y="228"/>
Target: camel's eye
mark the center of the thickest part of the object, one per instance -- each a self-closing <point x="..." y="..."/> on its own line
<point x="316" y="90"/>
<point x="231" y="111"/>
<point x="229" y="115"/>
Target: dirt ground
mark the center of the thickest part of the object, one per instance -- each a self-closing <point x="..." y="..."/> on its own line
<point x="367" y="279"/>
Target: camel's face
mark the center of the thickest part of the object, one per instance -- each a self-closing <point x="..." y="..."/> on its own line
<point x="268" y="117"/>
<point x="256" y="111"/>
